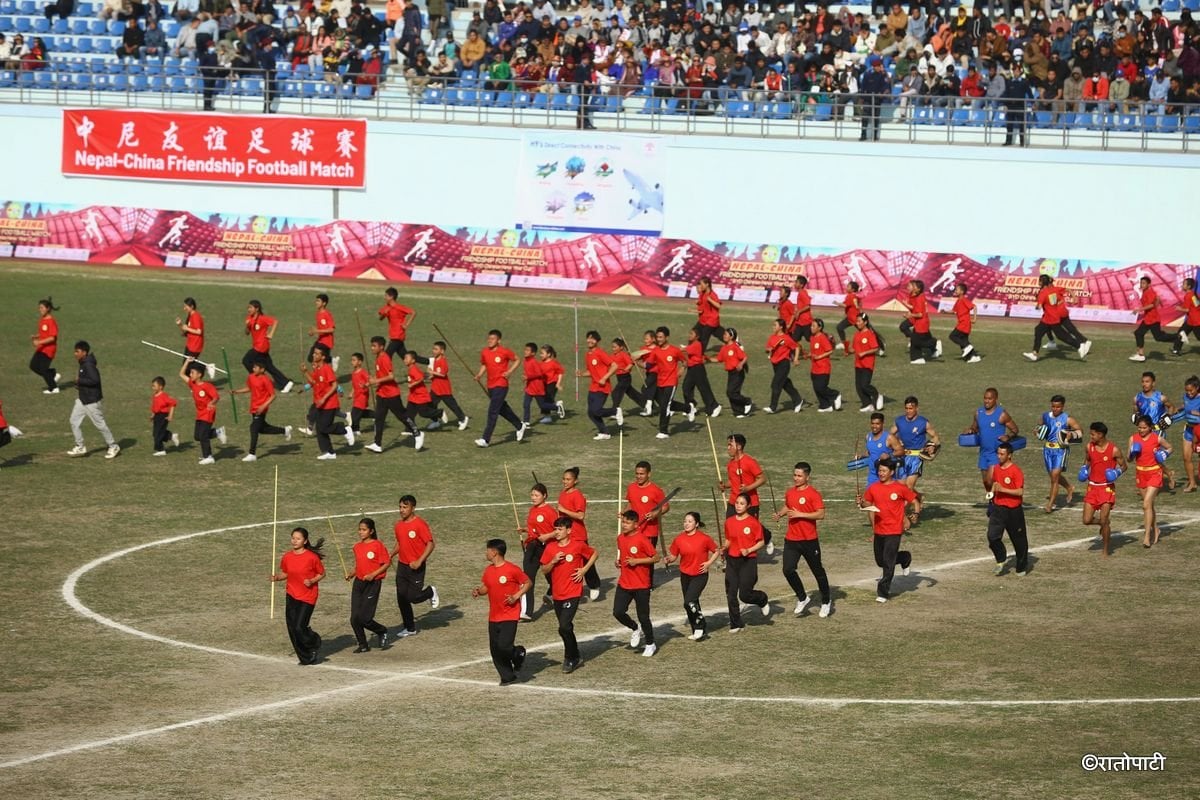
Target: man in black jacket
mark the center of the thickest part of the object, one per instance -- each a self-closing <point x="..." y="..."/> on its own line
<point x="1016" y="93"/>
<point x="875" y="87"/>
<point x="90" y="403"/>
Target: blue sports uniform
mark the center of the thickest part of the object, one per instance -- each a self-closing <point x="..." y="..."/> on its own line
<point x="1190" y="406"/>
<point x="912" y="434"/>
<point x="877" y="448"/>
<point x="1152" y="405"/>
<point x="1054" y="452"/>
<point x="990" y="431"/>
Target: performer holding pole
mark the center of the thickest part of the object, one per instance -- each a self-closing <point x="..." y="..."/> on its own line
<point x="301" y="567"/>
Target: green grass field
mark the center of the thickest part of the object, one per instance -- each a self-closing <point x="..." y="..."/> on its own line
<point x="165" y="676"/>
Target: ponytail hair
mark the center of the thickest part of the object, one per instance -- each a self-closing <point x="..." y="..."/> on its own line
<point x="48" y="303"/>
<point x="315" y="548"/>
<point x="370" y="523"/>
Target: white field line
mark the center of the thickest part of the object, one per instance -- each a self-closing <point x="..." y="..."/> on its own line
<point x="384" y="676"/>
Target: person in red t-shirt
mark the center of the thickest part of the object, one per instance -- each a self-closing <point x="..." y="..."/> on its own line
<point x="624" y="375"/>
<point x="497" y="362"/>
<point x="539" y="529"/>
<point x="388" y="399"/>
<point x="866" y="347"/>
<point x="1190" y="306"/>
<point x="1148" y="450"/>
<point x="371" y="562"/>
<point x="323" y="330"/>
<point x="600" y="367"/>
<point x="505" y="586"/>
<point x="191" y="327"/>
<point x="696" y="378"/>
<point x="162" y="413"/>
<point x="1104" y="465"/>
<point x="733" y="358"/>
<point x="695" y="551"/>
<point x="1006" y="492"/>
<point x="708" y="312"/>
<point x="916" y="321"/>
<point x="572" y="504"/>
<point x="205" y="396"/>
<point x="1055" y="321"/>
<point x="851" y="310"/>
<point x="647" y="365"/>
<point x="420" y="401"/>
<point x="325" y="402"/>
<point x="565" y="561"/>
<point x="964" y="316"/>
<point x="360" y="382"/>
<point x="803" y="506"/>
<point x="800" y="325"/>
<point x="262" y="393"/>
<point x="1150" y="322"/>
<point x="785" y="309"/>
<point x="301" y="567"/>
<point x="45" y="346"/>
<point x="261" y="329"/>
<point x="439" y="371"/>
<point x="743" y="540"/>
<point x="636" y="557"/>
<point x="820" y="355"/>
<point x="398" y="317"/>
<point x="554" y="373"/>
<point x="535" y="386"/>
<point x="414" y="546"/>
<point x="7" y="432"/>
<point x="745" y="475"/>
<point x="887" y="500"/>
<point x="667" y="360"/>
<point x="643" y="497"/>
<point x="783" y="351"/>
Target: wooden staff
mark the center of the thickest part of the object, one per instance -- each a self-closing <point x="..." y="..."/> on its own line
<point x="274" y="536"/>
<point x="461" y="360"/>
<point x="362" y="341"/>
<point x="232" y="397"/>
<point x="620" y="475"/>
<point x="716" y="463"/>
<point x="771" y="489"/>
<point x="335" y="545"/>
<point x="512" y="497"/>
<point x="720" y="523"/>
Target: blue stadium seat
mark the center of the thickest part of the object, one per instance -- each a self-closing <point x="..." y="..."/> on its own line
<point x="1192" y="5"/>
<point x="79" y="26"/>
<point x="156" y="83"/>
<point x="139" y="83"/>
<point x="503" y="99"/>
<point x="6" y="24"/>
<point x="41" y="25"/>
<point x="134" y="68"/>
<point x="98" y="27"/>
<point x="671" y="106"/>
<point x="923" y="116"/>
<point x="118" y="82"/>
<point x="310" y="88"/>
<point x="23" y="25"/>
<point x="171" y="29"/>
<point x="564" y="102"/>
<point x="177" y="84"/>
<point x="82" y="81"/>
<point x="1125" y="122"/>
<point x="364" y="91"/>
<point x="541" y="102"/>
<point x="781" y="111"/>
<point x="25" y="79"/>
<point x="188" y="67"/>
<point x="61" y="26"/>
<point x="116" y="27"/>
<point x="1083" y="120"/>
<point x="484" y="98"/>
<point x="1170" y="6"/>
<point x="113" y="67"/>
<point x="104" y="45"/>
<point x="822" y="112"/>
<point x="7" y="77"/>
<point x="1150" y="122"/>
<point x="8" y="7"/>
<point x="27" y="7"/>
<point x="653" y="105"/>
<point x="738" y="109"/>
<point x="961" y="116"/>
<point x="1168" y="123"/>
<point x="43" y="79"/>
<point x="154" y="68"/>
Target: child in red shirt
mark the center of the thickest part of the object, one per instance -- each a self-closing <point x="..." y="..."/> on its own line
<point x="162" y="412"/>
<point x="360" y="382"/>
<point x="636" y="557"/>
<point x="7" y="432"/>
<point x="554" y="373"/>
<point x="535" y="385"/>
<point x="964" y="314"/>
<point x="205" y="396"/>
<point x="504" y="585"/>
<point x="564" y="562"/>
<point x="439" y="371"/>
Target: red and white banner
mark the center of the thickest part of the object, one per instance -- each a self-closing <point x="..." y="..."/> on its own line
<point x="214" y="148"/>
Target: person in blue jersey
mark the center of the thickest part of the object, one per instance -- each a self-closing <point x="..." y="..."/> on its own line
<point x="1057" y="431"/>
<point x="921" y="443"/>
<point x="993" y="425"/>
<point x="881" y="445"/>
<point x="1190" y="407"/>
<point x="1150" y="402"/>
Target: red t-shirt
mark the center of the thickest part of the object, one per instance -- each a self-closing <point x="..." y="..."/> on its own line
<point x="635" y="545"/>
<point x="598" y="363"/>
<point x="575" y="554"/>
<point x="412" y="536"/>
<point x="786" y="309"/>
<point x="804" y="301"/>
<point x="1053" y="304"/>
<point x="418" y="392"/>
<point x="743" y="470"/>
<point x="496" y="361"/>
<point x="1191" y="304"/>
<point x="395" y="314"/>
<point x="780" y="347"/>
<point x="642" y="499"/>
<point x="1010" y="477"/>
<point x="732" y="354"/>
<point x="325" y="321"/>
<point x="648" y="362"/>
<point x="535" y="379"/>
<point x="369" y="555"/>
<point x="539" y="521"/>
<point x="806" y="500"/>
<point x="160" y="403"/>
<point x="300" y="567"/>
<point x="693" y="550"/>
<point x="623" y="361"/>
<point x="194" y="342"/>
<point x="257" y="325"/>
<point x="1100" y="460"/>
<point x="575" y="502"/>
<point x="3" y="421"/>
<point x="963" y="307"/>
<point x="864" y="340"/>
<point x="742" y="534"/>
<point x="918" y="305"/>
<point x="204" y="395"/>
<point x="707" y="313"/>
<point x="850" y="304"/>
<point x="261" y="387"/>
<point x="322" y="379"/>
<point x="890" y="498"/>
<point x="553" y="371"/>
<point x="694" y="353"/>
<point x="1145" y="459"/>
<point x="383" y="366"/>
<point x="501" y="582"/>
<point x="48" y="327"/>
<point x="1150" y="315"/>
<point x="441" y="380"/>
<point x="666" y="360"/>
<point x="360" y="380"/>
<point x="820" y="343"/>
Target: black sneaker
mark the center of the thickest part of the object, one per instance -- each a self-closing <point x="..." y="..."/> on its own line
<point x="508" y="682"/>
<point x="362" y="648"/>
<point x="570" y="666"/>
<point x="383" y="641"/>
<point x="518" y="659"/>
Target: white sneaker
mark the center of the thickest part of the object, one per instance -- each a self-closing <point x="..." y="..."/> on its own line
<point x="287" y="433"/>
<point x="770" y="548"/>
<point x="481" y="443"/>
<point x="55" y="390"/>
<point x="249" y="458"/>
<point x="968" y="350"/>
<point x="521" y="431"/>
<point x="15" y="432"/>
<point x="58" y="377"/>
<point x="827" y="410"/>
<point x="662" y="436"/>
<point x="799" y="407"/>
<point x="906" y="570"/>
<point x="1034" y="356"/>
<point x="650" y="650"/>
<point x="204" y="462"/>
<point x="462" y="426"/>
<point x="1051" y="345"/>
<point x="593" y="594"/>
<point x="738" y="629"/>
<point x="749" y="407"/>
<point x="433" y="426"/>
<point x="221" y="436"/>
<point x="974" y="360"/>
<point x="159" y="453"/>
<point x="77" y="450"/>
<point x="599" y="437"/>
<point x="801" y="605"/>
<point x="1134" y="357"/>
<point x="937" y="349"/>
<point x="649" y="409"/>
<point x="434" y="601"/>
<point x="837" y="402"/>
<point x="374" y="448"/>
<point x="620" y="417"/>
<point x="349" y="437"/>
<point x="768" y="410"/>
<point x="635" y="638"/>
<point x="419" y="440"/>
<point x="113" y="451"/>
<point x="879" y="402"/>
<point x="175" y="439"/>
<point x="287" y="387"/>
<point x="1085" y="348"/>
<point x="336" y="360"/>
<point x="691" y="413"/>
<point x="826" y="610"/>
<point x="561" y="409"/>
<point x="765" y="609"/>
<point x="879" y="599"/>
<point x="327" y="457"/>
<point x="306" y="431"/>
<point x="715" y="413"/>
<point x="917" y="361"/>
<point x="445" y="417"/>
<point x="404" y="633"/>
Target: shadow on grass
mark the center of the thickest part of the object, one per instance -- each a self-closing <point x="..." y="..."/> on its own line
<point x="23" y="460"/>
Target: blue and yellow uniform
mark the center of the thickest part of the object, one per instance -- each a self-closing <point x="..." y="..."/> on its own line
<point x="1054" y="452"/>
<point x="990" y="431"/>
<point x="877" y="448"/>
<point x="912" y="433"/>
<point x="1152" y="405"/>
<point x="1190" y="406"/>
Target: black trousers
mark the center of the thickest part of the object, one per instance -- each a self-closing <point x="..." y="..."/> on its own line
<point x="410" y="589"/>
<point x="1061" y="333"/>
<point x="918" y="343"/>
<point x="253" y="355"/>
<point x="625" y="388"/>
<point x="1155" y="330"/>
<point x="781" y="382"/>
<point x="734" y="380"/>
<point x="867" y="393"/>
<point x="357" y="415"/>
<point x="752" y="511"/>
<point x="259" y="424"/>
<point x="1011" y="521"/>
<point x="887" y="555"/>
<point x="741" y="575"/>
<point x="394" y="406"/>
<point x="451" y="404"/>
<point x="41" y="364"/>
<point x="498" y="407"/>
<point x="825" y="395"/>
<point x="327" y="424"/>
<point x="565" y="611"/>
<point x="531" y="564"/>
<point x="641" y="601"/>
<point x="544" y="406"/>
<point x="696" y="378"/>
<point x="960" y="338"/>
<point x="650" y="387"/>
<point x="665" y="397"/>
<point x="427" y="410"/>
<point x="364" y="599"/>
<point x="305" y="640"/>
<point x="693" y="587"/>
<point x="395" y="348"/>
<point x="706" y="332"/>
<point x="597" y="410"/>
<point x="502" y="637"/>
<point x="161" y="432"/>
<point x="810" y="551"/>
<point x="204" y="434"/>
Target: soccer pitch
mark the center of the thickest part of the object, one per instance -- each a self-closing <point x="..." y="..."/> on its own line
<point x="141" y="661"/>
